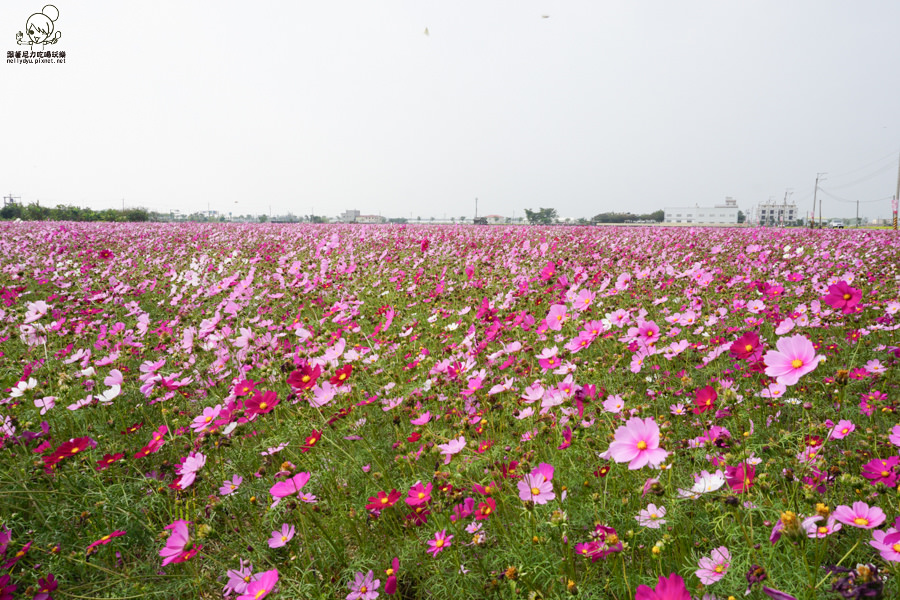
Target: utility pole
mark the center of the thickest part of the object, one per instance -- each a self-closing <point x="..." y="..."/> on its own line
<point x="896" y="197"/>
<point x="476" y="207"/>
<point x="857" y="214"/>
<point x="815" y="193"/>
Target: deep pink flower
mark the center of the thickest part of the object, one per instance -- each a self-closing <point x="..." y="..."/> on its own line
<point x="637" y="443"/>
<point x="671" y="588"/>
<point x="178" y="544"/>
<point x="881" y="471"/>
<point x="705" y="399"/>
<point x="440" y="542"/>
<point x="842" y="297"/>
<point x="740" y="478"/>
<point x="261" y="403"/>
<point x="104" y="540"/>
<point x="860" y="515"/>
<point x="45" y="586"/>
<point x="747" y="347"/>
<point x="390" y="586"/>
<point x="795" y="356"/>
<point x="419" y="494"/>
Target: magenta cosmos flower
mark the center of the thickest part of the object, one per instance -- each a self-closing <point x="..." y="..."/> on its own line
<point x="637" y="443"/>
<point x="713" y="567"/>
<point x="440" y="542"/>
<point x="860" y="515"/>
<point x="794" y="357"/>
<point x="842" y="297"/>
<point x="178" y="544"/>
<point x="671" y="588"/>
<point x="262" y="587"/>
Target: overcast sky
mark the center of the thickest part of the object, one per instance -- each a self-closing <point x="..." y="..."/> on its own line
<point x="326" y="106"/>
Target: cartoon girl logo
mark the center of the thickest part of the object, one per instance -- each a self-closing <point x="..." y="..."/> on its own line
<point x="40" y="30"/>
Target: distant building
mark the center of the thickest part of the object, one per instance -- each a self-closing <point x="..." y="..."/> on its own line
<point x="495" y="219"/>
<point x="774" y="214"/>
<point x="348" y="216"/>
<point x="370" y="219"/>
<point x="719" y="214"/>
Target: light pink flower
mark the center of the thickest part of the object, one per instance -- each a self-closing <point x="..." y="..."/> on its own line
<point x="651" y="517"/>
<point x="713" y="567"/>
<point x="637" y="443"/>
<point x="842" y="429"/>
<point x="229" y="487"/>
<point x="860" y="515"/>
<point x="204" y="421"/>
<point x="794" y="357"/>
<point x="535" y="487"/>
<point x="452" y="447"/>
<point x="281" y="538"/>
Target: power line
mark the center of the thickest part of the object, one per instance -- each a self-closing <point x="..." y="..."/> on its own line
<point x="840" y="199"/>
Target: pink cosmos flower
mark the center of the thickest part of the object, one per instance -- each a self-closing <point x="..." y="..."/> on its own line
<point x="204" y="421"/>
<point x="637" y="443"/>
<point x="888" y="542"/>
<point x="556" y="317"/>
<point x="536" y="488"/>
<point x="229" y="487"/>
<point x="814" y="530"/>
<point x="187" y="469"/>
<point x="262" y="586"/>
<point x="238" y="579"/>
<point x="452" y="447"/>
<point x="842" y="429"/>
<point x="894" y="438"/>
<point x="281" y="538"/>
<point x="289" y="487"/>
<point x="713" y="567"/>
<point x="860" y="515"/>
<point x="440" y="542"/>
<point x="794" y="357"/>
<point x="651" y="517"/>
<point x="584" y="300"/>
<point x="671" y="588"/>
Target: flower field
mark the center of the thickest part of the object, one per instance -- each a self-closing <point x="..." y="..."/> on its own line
<point x="308" y="411"/>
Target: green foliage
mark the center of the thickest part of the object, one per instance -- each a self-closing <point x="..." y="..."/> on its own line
<point x="542" y="216"/>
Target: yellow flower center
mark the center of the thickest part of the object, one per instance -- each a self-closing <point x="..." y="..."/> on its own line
<point x="389" y="572"/>
<point x="823" y="530"/>
<point x="284" y="538"/>
<point x="748" y="347"/>
<point x="104" y="538"/>
<point x="896" y="547"/>
<point x="654" y="516"/>
<point x="305" y="378"/>
<point x="384" y="500"/>
<point x="847" y="296"/>
<point x="535" y="491"/>
<point x="796" y="363"/>
<point x="861" y="521"/>
<point x="438" y="543"/>
<point x="421" y="495"/>
<point x="208" y="419"/>
<point x="74" y="450"/>
<point x="719" y="568"/>
<point x="262" y="405"/>
<point x="642" y="445"/>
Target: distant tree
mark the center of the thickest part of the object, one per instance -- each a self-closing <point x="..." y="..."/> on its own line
<point x="263" y="218"/>
<point x="659" y="216"/>
<point x="398" y="221"/>
<point x="542" y="216"/>
<point x="741" y="216"/>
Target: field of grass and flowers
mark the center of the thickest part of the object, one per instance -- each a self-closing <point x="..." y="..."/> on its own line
<point x="303" y="411"/>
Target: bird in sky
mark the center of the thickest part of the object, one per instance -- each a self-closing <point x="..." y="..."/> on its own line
<point x="426" y="31"/>
<point x="545" y="16"/>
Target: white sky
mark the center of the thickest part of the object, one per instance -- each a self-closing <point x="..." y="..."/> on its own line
<point x="328" y="105"/>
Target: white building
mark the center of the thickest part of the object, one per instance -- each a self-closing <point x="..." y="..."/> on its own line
<point x="370" y="219"/>
<point x="774" y="214"/>
<point x="719" y="214"/>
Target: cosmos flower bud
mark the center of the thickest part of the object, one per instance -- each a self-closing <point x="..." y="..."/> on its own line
<point x="791" y="524"/>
